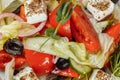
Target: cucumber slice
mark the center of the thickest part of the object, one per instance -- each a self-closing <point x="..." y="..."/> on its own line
<point x="81" y="69"/>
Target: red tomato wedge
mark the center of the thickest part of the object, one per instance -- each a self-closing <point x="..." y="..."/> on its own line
<point x="64" y="29"/>
<point x="19" y="61"/>
<point x="40" y="62"/>
<point x="114" y="31"/>
<point x="68" y="72"/>
<point x="5" y="58"/>
<point x="83" y="31"/>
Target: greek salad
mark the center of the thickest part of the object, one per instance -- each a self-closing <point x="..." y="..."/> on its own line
<point x="59" y="39"/>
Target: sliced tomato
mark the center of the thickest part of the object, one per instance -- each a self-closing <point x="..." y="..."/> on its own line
<point x="83" y="31"/>
<point x="19" y="61"/>
<point x="40" y="62"/>
<point x="5" y="58"/>
<point x="114" y="31"/>
<point x="21" y="38"/>
<point x="36" y="24"/>
<point x="68" y="72"/>
<point x="64" y="29"/>
<point x="48" y="24"/>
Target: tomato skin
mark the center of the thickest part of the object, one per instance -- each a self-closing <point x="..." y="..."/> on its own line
<point x="64" y="29"/>
<point x="19" y="61"/>
<point x="5" y="58"/>
<point x="40" y="62"/>
<point x="21" y="38"/>
<point x="47" y="25"/>
<point x="36" y="24"/>
<point x="83" y="31"/>
<point x="114" y="31"/>
<point x="68" y="72"/>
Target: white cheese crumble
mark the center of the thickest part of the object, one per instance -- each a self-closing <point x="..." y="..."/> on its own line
<point x="35" y="11"/>
<point x="100" y="9"/>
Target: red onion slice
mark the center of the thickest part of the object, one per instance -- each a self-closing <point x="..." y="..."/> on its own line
<point x="39" y="28"/>
<point x="3" y="15"/>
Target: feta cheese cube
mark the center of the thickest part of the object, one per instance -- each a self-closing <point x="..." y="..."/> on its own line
<point x="35" y="11"/>
<point x="100" y="9"/>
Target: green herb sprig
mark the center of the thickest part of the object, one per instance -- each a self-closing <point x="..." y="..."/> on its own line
<point x="115" y="62"/>
<point x="63" y="14"/>
<point x="50" y="32"/>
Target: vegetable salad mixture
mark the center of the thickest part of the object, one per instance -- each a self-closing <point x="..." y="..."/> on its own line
<point x="59" y="39"/>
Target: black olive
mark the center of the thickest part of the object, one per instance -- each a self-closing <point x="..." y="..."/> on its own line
<point x="13" y="46"/>
<point x="16" y="71"/>
<point x="17" y="11"/>
<point x="62" y="63"/>
<point x="114" y="1"/>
